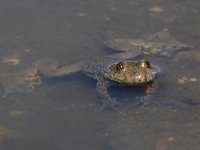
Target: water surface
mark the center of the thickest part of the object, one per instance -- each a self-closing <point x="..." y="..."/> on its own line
<point x="63" y="113"/>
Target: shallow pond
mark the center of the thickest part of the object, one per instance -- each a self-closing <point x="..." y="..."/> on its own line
<point x="63" y="113"/>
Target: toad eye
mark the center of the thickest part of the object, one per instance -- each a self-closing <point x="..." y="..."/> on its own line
<point x="148" y="64"/>
<point x="120" y="66"/>
<point x="145" y="64"/>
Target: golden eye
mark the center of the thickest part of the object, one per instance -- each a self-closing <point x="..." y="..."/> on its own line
<point x="148" y="64"/>
<point x="120" y="66"/>
<point x="144" y="64"/>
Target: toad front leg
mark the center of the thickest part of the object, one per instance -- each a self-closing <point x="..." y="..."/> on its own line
<point x="107" y="101"/>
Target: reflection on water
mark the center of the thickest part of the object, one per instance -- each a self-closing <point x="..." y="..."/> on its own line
<point x="62" y="113"/>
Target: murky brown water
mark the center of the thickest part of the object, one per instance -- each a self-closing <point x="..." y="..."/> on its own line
<point x="63" y="113"/>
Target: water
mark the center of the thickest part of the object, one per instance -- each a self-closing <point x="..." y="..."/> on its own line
<point x="63" y="113"/>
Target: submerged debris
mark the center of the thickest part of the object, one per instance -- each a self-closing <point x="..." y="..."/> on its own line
<point x="11" y="61"/>
<point x="160" y="43"/>
<point x="23" y="81"/>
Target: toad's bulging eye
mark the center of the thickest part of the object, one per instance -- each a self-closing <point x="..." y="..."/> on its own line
<point x="120" y="66"/>
<point x="148" y="64"/>
<point x="145" y="64"/>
